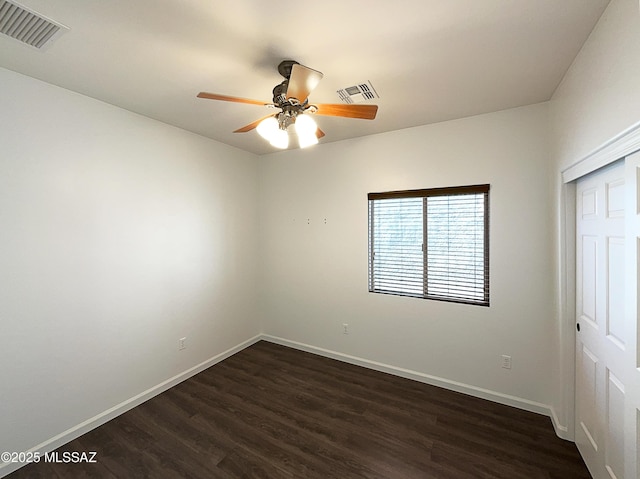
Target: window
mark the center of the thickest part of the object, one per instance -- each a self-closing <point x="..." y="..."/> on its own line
<point x="431" y="244"/>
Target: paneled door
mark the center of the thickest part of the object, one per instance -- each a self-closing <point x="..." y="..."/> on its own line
<point x="606" y="411"/>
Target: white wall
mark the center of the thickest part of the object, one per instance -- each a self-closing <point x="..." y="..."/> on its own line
<point x="316" y="273"/>
<point x="118" y="236"/>
<point x="598" y="98"/>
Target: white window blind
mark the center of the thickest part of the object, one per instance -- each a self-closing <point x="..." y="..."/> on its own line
<point x="432" y="244"/>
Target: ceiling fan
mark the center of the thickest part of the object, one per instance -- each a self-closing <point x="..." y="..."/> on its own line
<point x="291" y="97"/>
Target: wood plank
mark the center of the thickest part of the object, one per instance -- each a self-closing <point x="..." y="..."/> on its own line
<point x="274" y="412"/>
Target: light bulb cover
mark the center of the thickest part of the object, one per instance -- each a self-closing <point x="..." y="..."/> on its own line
<point x="305" y="126"/>
<point x="268" y="128"/>
<point x="279" y="139"/>
<point x="307" y="140"/>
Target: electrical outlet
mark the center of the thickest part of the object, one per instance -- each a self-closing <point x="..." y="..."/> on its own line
<point x="182" y="343"/>
<point x="345" y="328"/>
<point x="506" y="361"/>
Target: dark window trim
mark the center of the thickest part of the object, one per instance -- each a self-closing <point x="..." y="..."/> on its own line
<point x="448" y="191"/>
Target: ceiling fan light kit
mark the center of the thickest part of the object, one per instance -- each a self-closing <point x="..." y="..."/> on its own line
<point x="275" y="129"/>
<point x="291" y="97"/>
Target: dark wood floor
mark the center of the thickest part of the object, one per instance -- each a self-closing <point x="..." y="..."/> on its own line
<point x="274" y="412"/>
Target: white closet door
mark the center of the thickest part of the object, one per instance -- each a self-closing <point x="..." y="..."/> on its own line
<point x="632" y="321"/>
<point x="603" y="336"/>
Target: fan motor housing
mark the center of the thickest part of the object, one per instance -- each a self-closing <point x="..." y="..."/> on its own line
<point x="280" y="92"/>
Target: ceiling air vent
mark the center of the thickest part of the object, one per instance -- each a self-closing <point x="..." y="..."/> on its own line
<point x="358" y="93"/>
<point x="26" y="26"/>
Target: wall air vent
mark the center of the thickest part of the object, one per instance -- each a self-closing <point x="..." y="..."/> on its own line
<point x="28" y="27"/>
<point x="358" y="93"/>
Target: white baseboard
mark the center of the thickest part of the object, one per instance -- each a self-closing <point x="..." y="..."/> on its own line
<point x="91" y="423"/>
<point x="475" y="391"/>
<point x="561" y="431"/>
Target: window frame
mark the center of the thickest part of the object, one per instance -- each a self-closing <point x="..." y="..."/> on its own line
<point x="426" y="193"/>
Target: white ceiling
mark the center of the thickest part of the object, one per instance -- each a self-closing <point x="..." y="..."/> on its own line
<point x="429" y="60"/>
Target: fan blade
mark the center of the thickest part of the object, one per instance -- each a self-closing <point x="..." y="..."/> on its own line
<point x="319" y="133"/>
<point x="364" y="112"/>
<point x="215" y="96"/>
<point x="251" y="126"/>
<point x="302" y="81"/>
